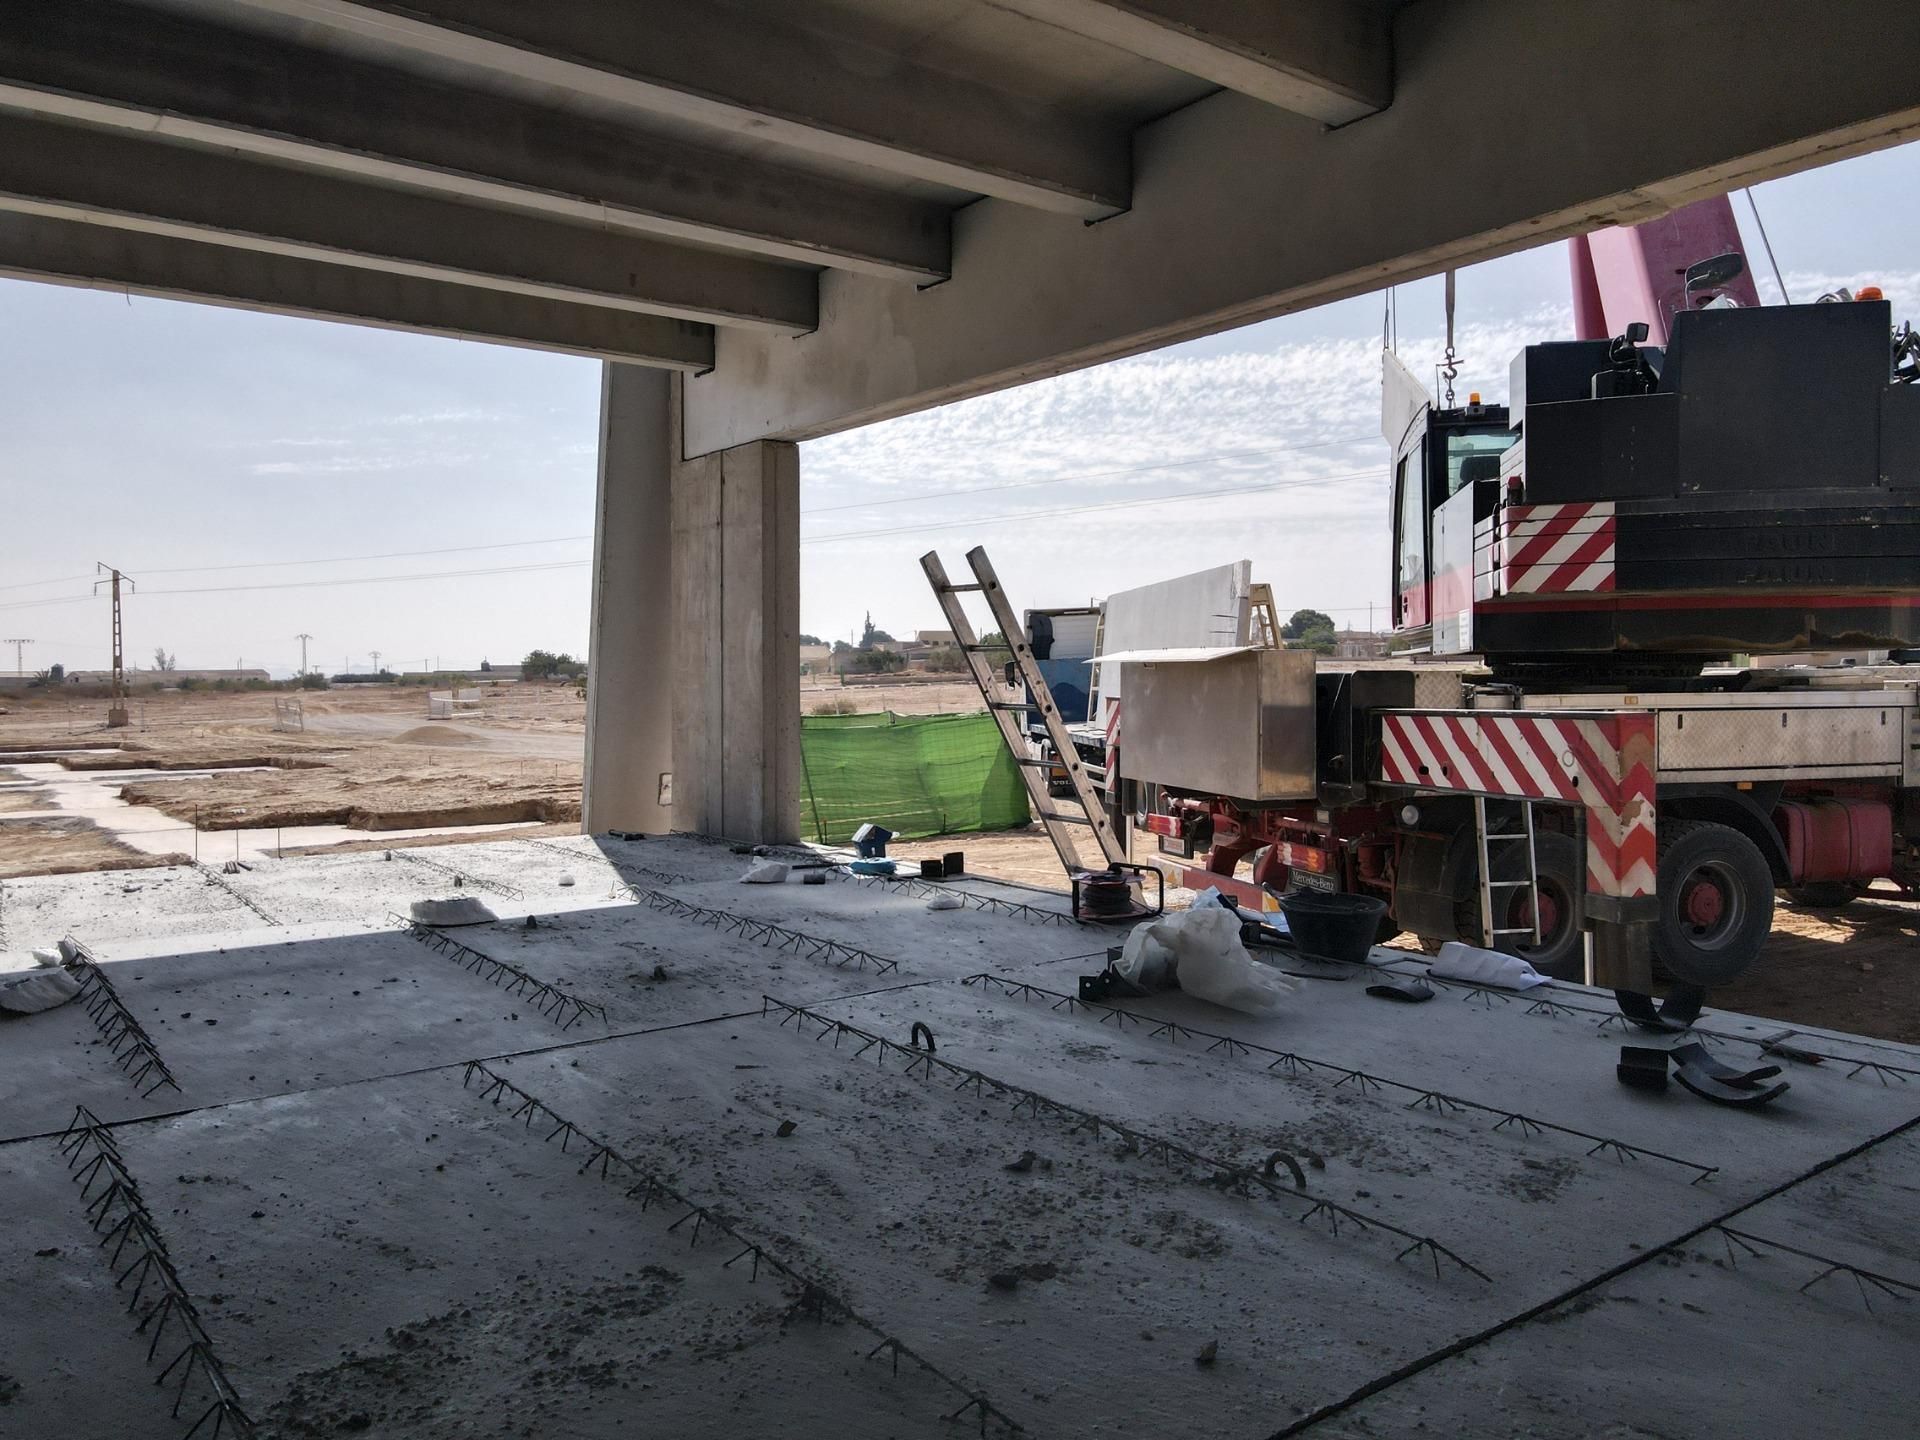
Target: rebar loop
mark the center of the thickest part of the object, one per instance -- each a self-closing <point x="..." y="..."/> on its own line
<point x="705" y="1223"/>
<point x="132" y="1048"/>
<point x="159" y="1300"/>
<point x="1220" y="1174"/>
<point x="564" y="1009"/>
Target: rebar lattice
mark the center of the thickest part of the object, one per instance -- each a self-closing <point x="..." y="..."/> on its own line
<point x="1297" y="1065"/>
<point x="811" y="947"/>
<point x="1220" y="1174"/>
<point x="622" y="866"/>
<point x="1549" y="1000"/>
<point x="702" y="1221"/>
<point x="132" y="1048"/>
<point x="564" y="1009"/>
<point x="460" y="877"/>
<point x="1865" y="1281"/>
<point x="214" y="877"/>
<point x="992" y="904"/>
<point x="159" y="1298"/>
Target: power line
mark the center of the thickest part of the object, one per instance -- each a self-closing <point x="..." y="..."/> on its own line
<point x="29" y="584"/>
<point x="1094" y="474"/>
<point x="343" y="559"/>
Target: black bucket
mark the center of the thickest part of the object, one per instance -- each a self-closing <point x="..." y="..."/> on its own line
<point x="1333" y="927"/>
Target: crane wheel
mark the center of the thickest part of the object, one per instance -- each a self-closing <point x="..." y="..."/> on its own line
<point x="1716" y="903"/>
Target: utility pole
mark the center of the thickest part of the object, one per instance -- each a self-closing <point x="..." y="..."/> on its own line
<point x="303" y="637"/>
<point x="19" y="651"/>
<point x="376" y="663"/>
<point x="117" y="707"/>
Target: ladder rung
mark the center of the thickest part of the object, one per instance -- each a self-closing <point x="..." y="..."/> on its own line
<point x="1037" y="764"/>
<point x="1080" y="820"/>
<point x="1507" y="835"/>
<point x="957" y="589"/>
<point x="1523" y="930"/>
<point x="1012" y="705"/>
<point x="1510" y="885"/>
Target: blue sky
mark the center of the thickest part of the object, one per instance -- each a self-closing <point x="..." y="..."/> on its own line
<point x="211" y="453"/>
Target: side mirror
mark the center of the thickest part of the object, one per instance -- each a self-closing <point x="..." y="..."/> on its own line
<point x="1714" y="273"/>
<point x="1637" y="333"/>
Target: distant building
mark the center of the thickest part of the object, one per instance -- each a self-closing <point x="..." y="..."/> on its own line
<point x="816" y="659"/>
<point x="1359" y="645"/>
<point x="933" y="639"/>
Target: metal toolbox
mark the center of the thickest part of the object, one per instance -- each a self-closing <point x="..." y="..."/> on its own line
<point x="1237" y="722"/>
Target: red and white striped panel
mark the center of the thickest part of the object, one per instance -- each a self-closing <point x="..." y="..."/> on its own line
<point x="1602" y="762"/>
<point x="1113" y="745"/>
<point x="1556" y="549"/>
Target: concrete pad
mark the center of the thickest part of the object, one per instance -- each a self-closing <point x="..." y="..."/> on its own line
<point x="509" y="1294"/>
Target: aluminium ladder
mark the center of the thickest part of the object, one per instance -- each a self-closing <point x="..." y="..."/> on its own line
<point x="1061" y="825"/>
<point x="1490" y="933"/>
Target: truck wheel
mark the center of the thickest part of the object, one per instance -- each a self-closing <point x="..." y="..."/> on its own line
<point x="1562" y="881"/>
<point x="1823" y="895"/>
<point x="1716" y="903"/>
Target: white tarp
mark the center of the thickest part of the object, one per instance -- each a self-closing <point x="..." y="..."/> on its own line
<point x="1206" y="610"/>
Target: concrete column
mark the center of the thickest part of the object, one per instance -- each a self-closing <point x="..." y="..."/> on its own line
<point x="630" y="709"/>
<point x="736" y="667"/>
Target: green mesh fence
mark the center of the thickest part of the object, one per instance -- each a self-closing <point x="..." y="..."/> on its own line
<point x="915" y="774"/>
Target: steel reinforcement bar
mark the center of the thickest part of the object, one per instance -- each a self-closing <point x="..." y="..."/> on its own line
<point x="812" y="947"/>
<point x="622" y="866"/>
<point x="1543" y="1000"/>
<point x="564" y="1009"/>
<point x="132" y="1048"/>
<point x="460" y="877"/>
<point x="159" y="1299"/>
<point x="214" y="877"/>
<point x="1363" y="1081"/>
<point x="1222" y="1174"/>
<point x="992" y="904"/>
<point x="813" y="1298"/>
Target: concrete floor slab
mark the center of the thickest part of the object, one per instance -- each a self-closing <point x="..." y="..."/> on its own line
<point x="395" y="1254"/>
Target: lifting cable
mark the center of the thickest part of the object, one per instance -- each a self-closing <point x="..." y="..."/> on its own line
<point x="1450" y="365"/>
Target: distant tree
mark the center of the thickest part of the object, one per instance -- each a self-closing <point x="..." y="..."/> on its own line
<point x="806" y="639"/>
<point x="313" y="680"/>
<point x="161" y="659"/>
<point x="539" y="665"/>
<point x="56" y="673"/>
<point x="946" y="660"/>
<point x="1304" y="620"/>
<point x="486" y="667"/>
<point x="870" y="633"/>
<point x="841" y="647"/>
<point x="878" y="662"/>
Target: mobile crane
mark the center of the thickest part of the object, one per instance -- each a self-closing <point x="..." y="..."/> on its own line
<point x="1575" y="739"/>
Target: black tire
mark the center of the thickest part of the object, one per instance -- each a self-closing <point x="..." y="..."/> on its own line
<point x="1823" y="895"/>
<point x="1562" y="878"/>
<point x="1716" y="903"/>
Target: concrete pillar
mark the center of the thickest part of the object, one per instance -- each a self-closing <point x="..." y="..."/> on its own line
<point x="629" y="700"/>
<point x="736" y="666"/>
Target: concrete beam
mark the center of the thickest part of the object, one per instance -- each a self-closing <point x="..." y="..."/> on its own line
<point x="629" y="772"/>
<point x="1242" y="212"/>
<point x="759" y="77"/>
<point x="98" y="257"/>
<point x="68" y="172"/>
<point x="125" y="67"/>
<point x="1324" y="58"/>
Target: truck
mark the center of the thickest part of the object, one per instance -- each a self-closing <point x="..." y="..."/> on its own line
<point x="1613" y="728"/>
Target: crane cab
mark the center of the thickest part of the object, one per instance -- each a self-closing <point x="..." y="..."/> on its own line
<point x="1446" y="478"/>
